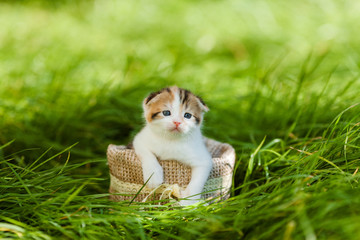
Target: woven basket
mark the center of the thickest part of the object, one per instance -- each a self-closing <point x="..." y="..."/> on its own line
<point x="126" y="176"/>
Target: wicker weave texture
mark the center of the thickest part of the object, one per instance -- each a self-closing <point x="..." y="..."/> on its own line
<point x="127" y="178"/>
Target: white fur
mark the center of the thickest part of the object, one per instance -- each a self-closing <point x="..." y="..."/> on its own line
<point x="187" y="146"/>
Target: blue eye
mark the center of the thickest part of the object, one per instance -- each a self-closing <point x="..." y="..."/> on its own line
<point x="187" y="115"/>
<point x="166" y="113"/>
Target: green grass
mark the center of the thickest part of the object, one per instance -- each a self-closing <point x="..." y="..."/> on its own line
<point x="281" y="79"/>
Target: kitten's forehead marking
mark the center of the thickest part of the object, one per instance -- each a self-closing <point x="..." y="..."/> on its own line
<point x="176" y="104"/>
<point x="185" y="101"/>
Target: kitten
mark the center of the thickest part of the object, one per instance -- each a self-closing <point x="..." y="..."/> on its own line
<point x="172" y="132"/>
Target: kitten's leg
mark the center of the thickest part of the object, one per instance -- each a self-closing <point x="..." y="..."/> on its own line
<point x="150" y="167"/>
<point x="199" y="175"/>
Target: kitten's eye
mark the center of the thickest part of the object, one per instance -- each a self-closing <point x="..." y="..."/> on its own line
<point x="166" y="113"/>
<point x="187" y="115"/>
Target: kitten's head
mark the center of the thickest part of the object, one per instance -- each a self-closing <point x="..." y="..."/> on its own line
<point x="174" y="111"/>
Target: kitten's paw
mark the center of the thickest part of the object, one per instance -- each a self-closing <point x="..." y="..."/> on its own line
<point x="188" y="202"/>
<point x="156" y="175"/>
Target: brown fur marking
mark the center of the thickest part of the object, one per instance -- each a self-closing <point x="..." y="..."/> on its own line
<point x="153" y="116"/>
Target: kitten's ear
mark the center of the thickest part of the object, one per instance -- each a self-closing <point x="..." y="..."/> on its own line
<point x="149" y="98"/>
<point x="202" y="104"/>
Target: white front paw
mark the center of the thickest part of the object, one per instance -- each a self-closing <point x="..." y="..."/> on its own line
<point x="189" y="198"/>
<point x="188" y="202"/>
<point x="154" y="174"/>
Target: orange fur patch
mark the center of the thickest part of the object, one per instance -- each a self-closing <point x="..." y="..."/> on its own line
<point x="157" y="103"/>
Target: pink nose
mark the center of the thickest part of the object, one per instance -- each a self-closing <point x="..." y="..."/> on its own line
<point x="177" y="123"/>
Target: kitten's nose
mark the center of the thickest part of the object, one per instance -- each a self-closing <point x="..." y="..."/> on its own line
<point x="177" y="123"/>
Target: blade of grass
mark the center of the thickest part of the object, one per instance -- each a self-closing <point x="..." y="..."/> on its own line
<point x="49" y="159"/>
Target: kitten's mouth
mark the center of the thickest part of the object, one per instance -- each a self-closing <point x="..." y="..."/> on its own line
<point x="175" y="130"/>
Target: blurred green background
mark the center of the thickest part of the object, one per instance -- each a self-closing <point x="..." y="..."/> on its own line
<point x="76" y="72"/>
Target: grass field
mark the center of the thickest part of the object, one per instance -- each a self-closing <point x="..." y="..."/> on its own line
<point x="281" y="79"/>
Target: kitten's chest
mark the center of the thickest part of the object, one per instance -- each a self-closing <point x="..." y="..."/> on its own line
<point x="168" y="150"/>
